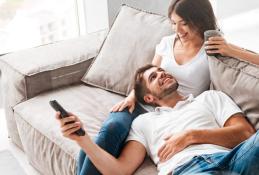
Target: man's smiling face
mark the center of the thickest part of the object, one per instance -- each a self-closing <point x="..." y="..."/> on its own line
<point x="159" y="82"/>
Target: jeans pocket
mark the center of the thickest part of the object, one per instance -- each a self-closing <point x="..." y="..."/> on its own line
<point x="182" y="169"/>
<point x="207" y="159"/>
<point x="214" y="159"/>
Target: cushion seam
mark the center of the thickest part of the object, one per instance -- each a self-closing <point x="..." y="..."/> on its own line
<point x="102" y="87"/>
<point x="239" y="69"/>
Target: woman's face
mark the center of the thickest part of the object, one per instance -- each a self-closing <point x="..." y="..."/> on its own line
<point x="182" y="29"/>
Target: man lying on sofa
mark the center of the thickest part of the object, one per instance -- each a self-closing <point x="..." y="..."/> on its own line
<point x="185" y="135"/>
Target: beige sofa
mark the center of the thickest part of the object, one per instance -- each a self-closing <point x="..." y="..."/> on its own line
<point x="88" y="75"/>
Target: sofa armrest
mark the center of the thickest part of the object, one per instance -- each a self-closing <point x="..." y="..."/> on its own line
<point x="27" y="73"/>
<point x="50" y="66"/>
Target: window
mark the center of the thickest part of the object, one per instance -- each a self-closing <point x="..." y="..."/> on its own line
<point x="29" y="23"/>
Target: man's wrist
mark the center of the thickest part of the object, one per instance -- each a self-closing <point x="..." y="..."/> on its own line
<point x="191" y="137"/>
<point x="83" y="140"/>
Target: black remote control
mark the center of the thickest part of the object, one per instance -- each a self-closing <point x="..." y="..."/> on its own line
<point x="55" y="105"/>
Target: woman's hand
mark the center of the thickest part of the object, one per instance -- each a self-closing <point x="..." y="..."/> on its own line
<point x="231" y="50"/>
<point x="219" y="45"/>
<point x="127" y="102"/>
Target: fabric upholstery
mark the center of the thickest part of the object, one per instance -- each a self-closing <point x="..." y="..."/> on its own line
<point x="159" y="7"/>
<point x="240" y="80"/>
<point x="129" y="45"/>
<point x="40" y="133"/>
<point x="53" y="65"/>
<point x="29" y="72"/>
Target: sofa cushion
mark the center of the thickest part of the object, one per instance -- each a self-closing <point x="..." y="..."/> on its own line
<point x="240" y="80"/>
<point x="129" y="45"/>
<point x="40" y="133"/>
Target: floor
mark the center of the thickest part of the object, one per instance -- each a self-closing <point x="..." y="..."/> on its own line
<point x="7" y="144"/>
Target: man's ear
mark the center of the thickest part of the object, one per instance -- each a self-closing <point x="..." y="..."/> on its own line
<point x="150" y="99"/>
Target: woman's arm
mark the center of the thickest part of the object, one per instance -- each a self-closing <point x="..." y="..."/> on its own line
<point x="157" y="60"/>
<point x="231" y="50"/>
<point x="238" y="52"/>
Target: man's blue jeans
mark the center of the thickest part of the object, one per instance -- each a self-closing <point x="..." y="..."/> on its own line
<point x="111" y="138"/>
<point x="242" y="160"/>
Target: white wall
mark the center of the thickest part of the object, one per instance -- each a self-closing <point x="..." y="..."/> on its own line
<point x="227" y="8"/>
<point x="239" y="20"/>
<point x="96" y="12"/>
<point x="156" y="6"/>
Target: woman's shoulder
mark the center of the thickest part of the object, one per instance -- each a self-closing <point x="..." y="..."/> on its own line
<point x="166" y="41"/>
<point x="168" y="38"/>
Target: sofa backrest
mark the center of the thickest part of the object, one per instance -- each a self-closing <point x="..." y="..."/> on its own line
<point x="155" y="6"/>
<point x="239" y="80"/>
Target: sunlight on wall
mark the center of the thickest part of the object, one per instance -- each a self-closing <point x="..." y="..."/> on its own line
<point x="96" y="15"/>
<point x="242" y="29"/>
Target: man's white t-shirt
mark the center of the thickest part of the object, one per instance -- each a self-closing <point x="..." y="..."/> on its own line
<point x="193" y="77"/>
<point x="209" y="110"/>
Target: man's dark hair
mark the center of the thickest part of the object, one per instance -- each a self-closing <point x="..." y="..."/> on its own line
<point x="198" y="14"/>
<point x="140" y="86"/>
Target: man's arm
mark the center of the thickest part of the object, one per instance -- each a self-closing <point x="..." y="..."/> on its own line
<point x="131" y="157"/>
<point x="234" y="126"/>
<point x="235" y="130"/>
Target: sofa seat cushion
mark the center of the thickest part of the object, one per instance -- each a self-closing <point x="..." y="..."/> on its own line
<point x="77" y="99"/>
<point x="240" y="80"/>
<point x="40" y="131"/>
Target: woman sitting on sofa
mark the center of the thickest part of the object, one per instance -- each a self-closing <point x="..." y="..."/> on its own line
<point x="183" y="55"/>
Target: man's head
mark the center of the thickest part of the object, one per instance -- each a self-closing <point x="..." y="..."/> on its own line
<point x="153" y="84"/>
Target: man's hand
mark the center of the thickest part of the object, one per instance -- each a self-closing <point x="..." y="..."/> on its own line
<point x="173" y="144"/>
<point x="69" y="125"/>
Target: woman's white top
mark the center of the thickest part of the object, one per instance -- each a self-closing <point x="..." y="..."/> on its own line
<point x="193" y="77"/>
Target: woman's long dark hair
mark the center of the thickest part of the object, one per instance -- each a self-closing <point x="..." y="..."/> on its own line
<point x="198" y="14"/>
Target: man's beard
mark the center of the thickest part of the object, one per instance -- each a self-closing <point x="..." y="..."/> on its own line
<point x="166" y="92"/>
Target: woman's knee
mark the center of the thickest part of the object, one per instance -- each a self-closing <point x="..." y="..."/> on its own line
<point x="117" y="124"/>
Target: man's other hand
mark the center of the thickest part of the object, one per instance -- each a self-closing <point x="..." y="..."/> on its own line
<point x="173" y="144"/>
